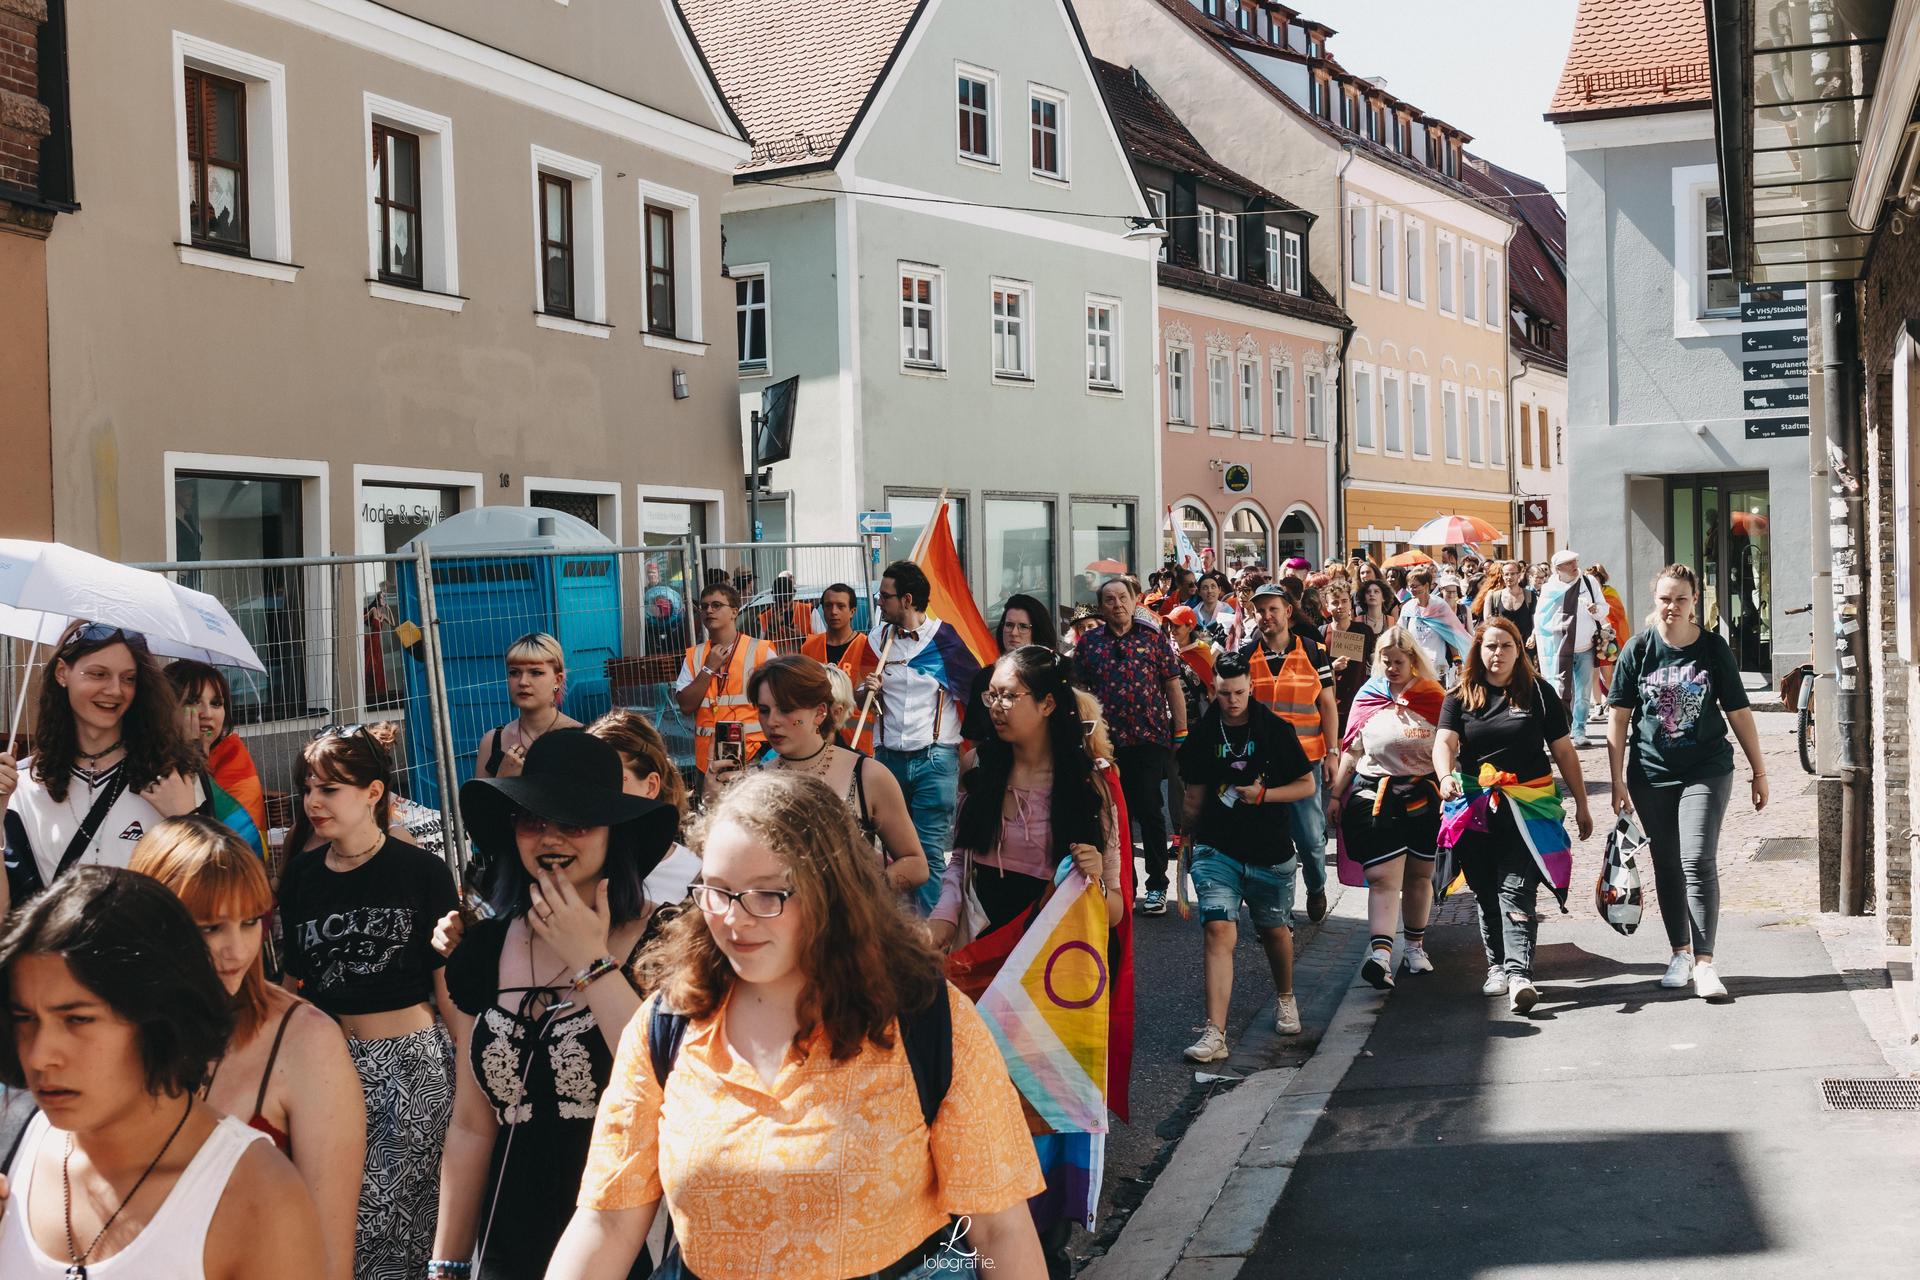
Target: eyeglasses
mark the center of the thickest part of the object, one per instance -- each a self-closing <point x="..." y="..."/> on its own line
<point x="715" y="604"/>
<point x="532" y="824"/>
<point x="993" y="701"/>
<point x="762" y="904"/>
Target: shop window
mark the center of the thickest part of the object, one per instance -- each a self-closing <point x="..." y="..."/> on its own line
<point x="1102" y="533"/>
<point x="1019" y="550"/>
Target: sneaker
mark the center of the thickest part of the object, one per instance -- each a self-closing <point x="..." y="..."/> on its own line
<point x="1598" y="715"/>
<point x="1155" y="903"/>
<point x="1522" y="995"/>
<point x="1378" y="970"/>
<point x="1580" y="742"/>
<point x="1707" y="984"/>
<point x="1286" y="1016"/>
<point x="1210" y="1047"/>
<point x="1496" y="983"/>
<point x="1415" y="959"/>
<point x="1316" y="906"/>
<point x="1679" y="970"/>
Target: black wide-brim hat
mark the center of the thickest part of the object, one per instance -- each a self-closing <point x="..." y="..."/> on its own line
<point x="569" y="776"/>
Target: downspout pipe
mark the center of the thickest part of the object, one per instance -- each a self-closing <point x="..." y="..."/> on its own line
<point x="1841" y="403"/>
<point x="1340" y="468"/>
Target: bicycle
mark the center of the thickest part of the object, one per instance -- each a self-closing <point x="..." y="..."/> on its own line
<point x="1796" y="690"/>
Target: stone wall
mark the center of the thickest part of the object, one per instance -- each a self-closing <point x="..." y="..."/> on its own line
<point x="23" y="119"/>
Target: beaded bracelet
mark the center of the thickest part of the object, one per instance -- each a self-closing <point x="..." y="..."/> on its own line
<point x="446" y="1269"/>
<point x="594" y="972"/>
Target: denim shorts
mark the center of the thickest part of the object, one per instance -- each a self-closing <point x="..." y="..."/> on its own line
<point x="1223" y="882"/>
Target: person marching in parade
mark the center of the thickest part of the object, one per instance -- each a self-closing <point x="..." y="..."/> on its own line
<point x="537" y="683"/>
<point x="843" y="647"/>
<point x="712" y="684"/>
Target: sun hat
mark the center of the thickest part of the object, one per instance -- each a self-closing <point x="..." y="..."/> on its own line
<point x="571" y="777"/>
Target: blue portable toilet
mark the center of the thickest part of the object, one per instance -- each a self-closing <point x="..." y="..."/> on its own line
<point x="486" y="600"/>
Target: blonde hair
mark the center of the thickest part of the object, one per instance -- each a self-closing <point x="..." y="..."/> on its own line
<point x="541" y="647"/>
<point x="1401" y="640"/>
<point x="644" y="751"/>
<point x="840" y="710"/>
<point x="1679" y="573"/>
<point x="216" y="876"/>
<point x="1098" y="742"/>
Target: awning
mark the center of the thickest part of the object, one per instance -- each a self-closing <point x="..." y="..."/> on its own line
<point x="1794" y="84"/>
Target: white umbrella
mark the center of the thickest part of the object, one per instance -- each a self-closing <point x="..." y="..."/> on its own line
<point x="45" y="586"/>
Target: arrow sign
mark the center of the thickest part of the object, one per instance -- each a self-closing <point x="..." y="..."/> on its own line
<point x="874" y="524"/>
<point x="1774" y="340"/>
<point x="1777" y="428"/>
<point x="1769" y="312"/>
<point x="1776" y="398"/>
<point x="1774" y="370"/>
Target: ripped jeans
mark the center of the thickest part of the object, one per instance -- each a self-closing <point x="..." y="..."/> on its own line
<point x="1506" y="884"/>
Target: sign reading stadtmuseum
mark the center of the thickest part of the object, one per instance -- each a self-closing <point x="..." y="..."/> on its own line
<point x="1774" y="398"/>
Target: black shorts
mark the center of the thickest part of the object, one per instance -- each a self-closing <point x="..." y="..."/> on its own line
<point x="1379" y="828"/>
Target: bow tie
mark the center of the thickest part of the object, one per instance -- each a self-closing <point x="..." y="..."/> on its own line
<point x="906" y="635"/>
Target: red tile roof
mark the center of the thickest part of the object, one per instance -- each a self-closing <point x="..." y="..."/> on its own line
<point x="798" y="74"/>
<point x="1629" y="57"/>
<point x="1152" y="132"/>
<point x="1536" y="257"/>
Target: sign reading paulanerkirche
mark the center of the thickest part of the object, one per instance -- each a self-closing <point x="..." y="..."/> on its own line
<point x="1773" y="344"/>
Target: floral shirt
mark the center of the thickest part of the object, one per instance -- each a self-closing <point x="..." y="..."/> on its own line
<point x="1129" y="675"/>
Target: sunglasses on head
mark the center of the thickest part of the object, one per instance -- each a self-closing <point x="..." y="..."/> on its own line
<point x="532" y="824"/>
<point x="98" y="634"/>
<point x="338" y="731"/>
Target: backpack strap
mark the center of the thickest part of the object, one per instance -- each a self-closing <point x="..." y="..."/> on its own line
<point x="665" y="1032"/>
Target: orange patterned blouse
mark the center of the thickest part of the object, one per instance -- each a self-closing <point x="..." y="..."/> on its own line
<point x="829" y="1173"/>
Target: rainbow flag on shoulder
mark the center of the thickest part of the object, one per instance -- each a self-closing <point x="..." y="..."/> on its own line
<point x="1538" y="813"/>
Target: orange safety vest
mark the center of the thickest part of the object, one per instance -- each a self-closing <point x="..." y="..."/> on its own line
<point x="1292" y="693"/>
<point x="859" y="662"/>
<point x="727" y="696"/>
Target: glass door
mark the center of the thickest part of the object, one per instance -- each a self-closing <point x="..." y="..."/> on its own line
<point x="1719" y="527"/>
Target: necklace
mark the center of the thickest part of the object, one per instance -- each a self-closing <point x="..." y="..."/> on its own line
<point x="526" y="743"/>
<point x="354" y="859"/>
<point x="78" y="1270"/>
<point x="812" y="770"/>
<point x="97" y="756"/>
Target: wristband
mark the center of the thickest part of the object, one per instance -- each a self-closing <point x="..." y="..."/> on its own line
<point x="447" y="1269"/>
<point x="1263" y="794"/>
<point x="594" y="972"/>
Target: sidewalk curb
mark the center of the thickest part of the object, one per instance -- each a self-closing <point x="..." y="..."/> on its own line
<point x="1206" y="1210"/>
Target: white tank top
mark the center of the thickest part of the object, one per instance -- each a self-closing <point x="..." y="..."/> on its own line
<point x="173" y="1244"/>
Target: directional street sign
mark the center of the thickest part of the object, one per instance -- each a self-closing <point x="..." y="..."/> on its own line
<point x="1774" y="340"/>
<point x="1777" y="428"/>
<point x="1774" y="370"/>
<point x="1770" y="312"/>
<point x="874" y="524"/>
<point x="1776" y="398"/>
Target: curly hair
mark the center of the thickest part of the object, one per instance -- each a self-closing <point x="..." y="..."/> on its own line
<point x="866" y="961"/>
<point x="150" y="729"/>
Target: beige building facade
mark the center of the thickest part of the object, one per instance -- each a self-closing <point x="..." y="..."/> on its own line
<point x="343" y="268"/>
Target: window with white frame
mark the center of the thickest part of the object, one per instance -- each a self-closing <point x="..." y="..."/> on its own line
<point x="1719" y="291"/>
<point x="1706" y="297"/>
<point x="1205" y="224"/>
<point x="1390" y="438"/>
<point x="1469" y="289"/>
<point x="752" y="319"/>
<point x="1389" y="236"/>
<point x="1219" y="392"/>
<point x="975" y="107"/>
<point x="1047" y="127"/>
<point x="1443" y="246"/>
<point x="1475" y="453"/>
<point x="1419" y="429"/>
<point x="1180" y="385"/>
<point x="1157" y="205"/>
<point x="1103" y="342"/>
<point x="1490" y="281"/>
<point x="1359" y="243"/>
<point x="670" y="248"/>
<point x="1249" y="395"/>
<point x="1362" y="407"/>
<point x="1273" y="268"/>
<point x="922" y="340"/>
<point x="571" y="241"/>
<point x="1496" y="431"/>
<point x="1416" y="261"/>
<point x="1292" y="264"/>
<point x="1314" y="385"/>
<point x="1450" y="419"/>
<point x="1283" y="400"/>
<point x="1226" y="230"/>
<point x="411" y="229"/>
<point x="1012" y="329"/>
<point x="230" y="108"/>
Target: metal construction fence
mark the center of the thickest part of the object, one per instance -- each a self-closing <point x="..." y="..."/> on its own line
<point x="419" y="639"/>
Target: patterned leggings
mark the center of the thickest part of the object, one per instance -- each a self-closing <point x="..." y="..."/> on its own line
<point x="408" y="1082"/>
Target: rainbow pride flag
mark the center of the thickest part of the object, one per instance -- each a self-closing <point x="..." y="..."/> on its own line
<point x="950" y="599"/>
<point x="1538" y="813"/>
<point x="233" y="815"/>
<point x="1439" y="621"/>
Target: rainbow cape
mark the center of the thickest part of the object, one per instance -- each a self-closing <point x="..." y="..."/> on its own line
<point x="231" y="765"/>
<point x="1423" y="698"/>
<point x="1438" y="620"/>
<point x="229" y="812"/>
<point x="1537" y="811"/>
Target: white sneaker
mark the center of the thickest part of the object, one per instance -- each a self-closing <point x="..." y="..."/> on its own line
<point x="1522" y="995"/>
<point x="1415" y="959"/>
<point x="1286" y="1016"/>
<point x="1707" y="984"/>
<point x="1496" y="983"/>
<point x="1210" y="1047"/>
<point x="1378" y="970"/>
<point x="1679" y="970"/>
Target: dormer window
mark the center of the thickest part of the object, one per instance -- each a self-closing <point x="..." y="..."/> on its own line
<point x="1347" y="120"/>
<point x="1316" y="47"/>
<point x="1210" y="7"/>
<point x="1243" y="17"/>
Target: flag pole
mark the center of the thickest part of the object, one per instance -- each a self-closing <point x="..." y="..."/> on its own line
<point x="20" y="703"/>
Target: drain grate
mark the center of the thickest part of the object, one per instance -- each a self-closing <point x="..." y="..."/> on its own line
<point x="1870" y="1095"/>
<point x="1785" y="849"/>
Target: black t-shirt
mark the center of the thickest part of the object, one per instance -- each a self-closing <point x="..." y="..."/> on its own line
<point x="1677" y="696"/>
<point x="1217" y="756"/>
<point x="837" y="651"/>
<point x="361" y="941"/>
<point x="1513" y="739"/>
